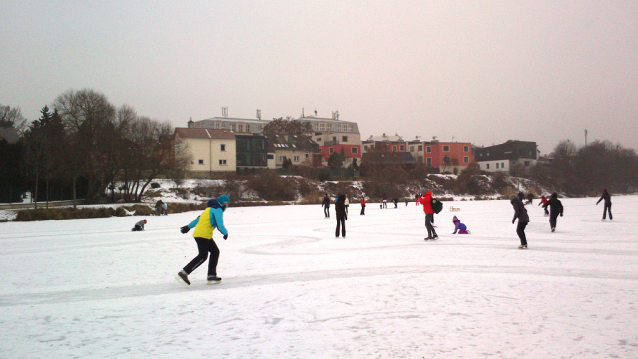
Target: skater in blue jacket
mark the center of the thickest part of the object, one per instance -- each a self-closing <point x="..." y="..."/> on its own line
<point x="205" y="224"/>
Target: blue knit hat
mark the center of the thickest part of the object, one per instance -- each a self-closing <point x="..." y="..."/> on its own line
<point x="223" y="199"/>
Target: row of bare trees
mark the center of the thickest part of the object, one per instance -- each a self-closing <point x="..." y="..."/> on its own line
<point x="86" y="139"/>
<point x="586" y="170"/>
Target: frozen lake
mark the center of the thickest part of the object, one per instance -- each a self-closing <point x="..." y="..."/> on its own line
<point x="94" y="289"/>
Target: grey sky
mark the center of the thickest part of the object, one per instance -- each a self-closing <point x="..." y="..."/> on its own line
<point x="479" y="71"/>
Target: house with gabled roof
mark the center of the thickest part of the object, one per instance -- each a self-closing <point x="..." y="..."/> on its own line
<point x="299" y="149"/>
<point x="211" y="150"/>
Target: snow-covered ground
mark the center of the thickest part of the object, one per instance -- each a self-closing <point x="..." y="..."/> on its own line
<point x="94" y="289"/>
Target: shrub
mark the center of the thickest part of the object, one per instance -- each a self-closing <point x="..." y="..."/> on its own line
<point x="155" y="185"/>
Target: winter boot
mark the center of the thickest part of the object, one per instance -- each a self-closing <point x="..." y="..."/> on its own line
<point x="553" y="229"/>
<point x="182" y="277"/>
<point x="213" y="279"/>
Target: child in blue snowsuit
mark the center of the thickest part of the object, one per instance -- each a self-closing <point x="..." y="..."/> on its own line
<point x="460" y="227"/>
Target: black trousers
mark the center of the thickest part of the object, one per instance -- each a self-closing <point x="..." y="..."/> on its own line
<point x="520" y="230"/>
<point x="326" y="212"/>
<point x="607" y="209"/>
<point x="363" y="209"/>
<point x="341" y="224"/>
<point x="204" y="246"/>
<point x="552" y="220"/>
<point x="429" y="218"/>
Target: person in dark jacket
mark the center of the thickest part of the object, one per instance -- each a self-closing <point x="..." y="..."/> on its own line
<point x="342" y="216"/>
<point x="520" y="213"/>
<point x="555" y="209"/>
<point x="607" y="197"/>
<point x="326" y="206"/>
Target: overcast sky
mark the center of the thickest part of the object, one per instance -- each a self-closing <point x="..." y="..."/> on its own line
<point x="474" y="71"/>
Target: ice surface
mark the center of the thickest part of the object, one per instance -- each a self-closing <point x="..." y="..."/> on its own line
<point x="94" y="289"/>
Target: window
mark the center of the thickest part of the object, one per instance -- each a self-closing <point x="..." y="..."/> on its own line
<point x="240" y="128"/>
<point x="394" y="148"/>
<point x="222" y="148"/>
<point x="270" y="157"/>
<point x="446" y="148"/>
<point x="232" y="127"/>
<point x="402" y="148"/>
<point x="344" y="138"/>
<point x="355" y="150"/>
<point x="466" y="159"/>
<point x="282" y="158"/>
<point x="496" y="165"/>
<point x="503" y="165"/>
<point x="222" y="162"/>
<point x="411" y="148"/>
<point x="365" y="148"/>
<point x="420" y="148"/>
<point x="428" y="149"/>
<point x="201" y="162"/>
<point x="307" y="154"/>
<point x="526" y="163"/>
<point x="295" y="158"/>
<point x="487" y="166"/>
<point x="331" y="150"/>
<point x="466" y="148"/>
<point x="428" y="161"/>
<point x="318" y="139"/>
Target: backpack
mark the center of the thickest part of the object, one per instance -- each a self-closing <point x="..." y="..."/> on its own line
<point x="437" y="206"/>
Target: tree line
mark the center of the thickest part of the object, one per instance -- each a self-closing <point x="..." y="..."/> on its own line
<point x="84" y="145"/>
<point x="586" y="170"/>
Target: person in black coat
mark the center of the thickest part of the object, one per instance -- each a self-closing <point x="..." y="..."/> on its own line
<point x="607" y="197"/>
<point x="520" y="213"/>
<point x="555" y="209"/>
<point x="342" y="216"/>
<point x="326" y="206"/>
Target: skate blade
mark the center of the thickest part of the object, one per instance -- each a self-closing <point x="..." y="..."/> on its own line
<point x="179" y="279"/>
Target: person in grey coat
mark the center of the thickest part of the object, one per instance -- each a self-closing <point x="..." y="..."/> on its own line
<point x="520" y="213"/>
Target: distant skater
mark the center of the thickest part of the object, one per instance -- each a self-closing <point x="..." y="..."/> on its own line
<point x="326" y="206"/>
<point x="520" y="213"/>
<point x="205" y="224"/>
<point x="543" y="201"/>
<point x="347" y="203"/>
<point x="607" y="197"/>
<point x="530" y="198"/>
<point x="342" y="216"/>
<point x="363" y="207"/>
<point x="555" y="209"/>
<point x="139" y="226"/>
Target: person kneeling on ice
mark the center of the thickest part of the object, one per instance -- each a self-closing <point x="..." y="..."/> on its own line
<point x="139" y="226"/>
<point x="205" y="224"/>
<point x="460" y="227"/>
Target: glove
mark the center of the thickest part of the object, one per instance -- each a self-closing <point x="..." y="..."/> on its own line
<point x="514" y="220"/>
<point x="185" y="229"/>
<point x="561" y="214"/>
<point x="225" y="236"/>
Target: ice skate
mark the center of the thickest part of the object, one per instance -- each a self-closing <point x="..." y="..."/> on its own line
<point x="213" y="279"/>
<point x="553" y="229"/>
<point x="522" y="246"/>
<point x="182" y="277"/>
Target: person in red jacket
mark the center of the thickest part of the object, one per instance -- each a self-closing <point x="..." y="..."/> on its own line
<point x="429" y="214"/>
<point x="363" y="206"/>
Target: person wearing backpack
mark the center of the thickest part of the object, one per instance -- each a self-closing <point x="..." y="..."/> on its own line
<point x="426" y="201"/>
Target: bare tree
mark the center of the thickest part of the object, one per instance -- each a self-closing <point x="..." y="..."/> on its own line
<point x="86" y="114"/>
<point x="12" y="117"/>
